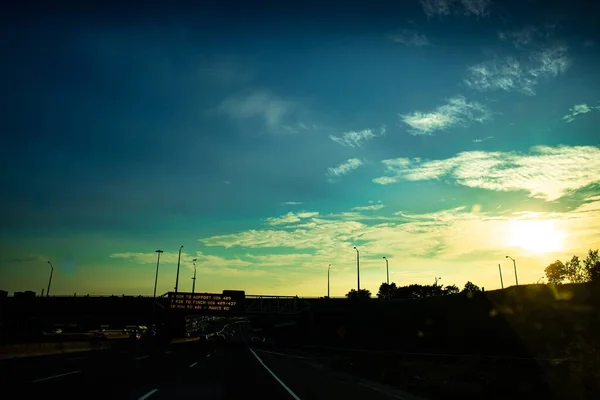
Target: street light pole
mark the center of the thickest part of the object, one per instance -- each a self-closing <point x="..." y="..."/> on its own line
<point x="328" y="269"/>
<point x="436" y="281"/>
<point x="515" y="267"/>
<point x="157" y="263"/>
<point x="50" y="280"/>
<point x="178" y="262"/>
<point x="501" y="281"/>
<point x="387" y="270"/>
<point x="194" y="278"/>
<point x="357" y="270"/>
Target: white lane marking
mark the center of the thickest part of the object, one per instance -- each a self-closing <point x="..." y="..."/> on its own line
<point x="150" y="393"/>
<point x="208" y="355"/>
<point x="142" y="357"/>
<point x="167" y="352"/>
<point x="193" y="365"/>
<point x="55" y="376"/>
<point x="275" y="376"/>
<point x="286" y="355"/>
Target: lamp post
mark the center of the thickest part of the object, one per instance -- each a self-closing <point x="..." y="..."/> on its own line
<point x="194" y="277"/>
<point x="157" y="263"/>
<point x="50" y="280"/>
<point x="328" y="270"/>
<point x="387" y="269"/>
<point x="515" y="267"/>
<point x="501" y="280"/>
<point x="178" y="262"/>
<point x="357" y="269"/>
<point x="436" y="281"/>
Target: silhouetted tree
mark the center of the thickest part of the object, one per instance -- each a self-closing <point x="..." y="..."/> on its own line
<point x="592" y="266"/>
<point x="451" y="289"/>
<point x="555" y="272"/>
<point x="574" y="271"/>
<point x="360" y="294"/>
<point x="386" y="291"/>
<point x="470" y="287"/>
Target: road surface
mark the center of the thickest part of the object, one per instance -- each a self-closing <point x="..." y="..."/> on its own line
<point x="184" y="371"/>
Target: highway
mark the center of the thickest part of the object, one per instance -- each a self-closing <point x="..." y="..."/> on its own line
<point x="185" y="371"/>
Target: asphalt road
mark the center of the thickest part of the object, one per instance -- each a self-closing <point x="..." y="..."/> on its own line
<point x="184" y="371"/>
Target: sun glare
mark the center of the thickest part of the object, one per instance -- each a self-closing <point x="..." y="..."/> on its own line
<point x="535" y="236"/>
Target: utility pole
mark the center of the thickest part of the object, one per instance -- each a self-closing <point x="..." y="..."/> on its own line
<point x="50" y="280"/>
<point x="357" y="270"/>
<point x="501" y="281"/>
<point x="194" y="278"/>
<point x="387" y="270"/>
<point x="178" y="261"/>
<point x="328" y="270"/>
<point x="157" y="263"/>
<point x="515" y="267"/>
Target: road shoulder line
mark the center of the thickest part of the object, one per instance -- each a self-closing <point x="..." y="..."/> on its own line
<point x="275" y="376"/>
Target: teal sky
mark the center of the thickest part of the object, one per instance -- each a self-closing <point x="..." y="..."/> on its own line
<point x="268" y="141"/>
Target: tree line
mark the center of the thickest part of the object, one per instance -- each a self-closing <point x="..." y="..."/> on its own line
<point x="575" y="270"/>
<point x="413" y="291"/>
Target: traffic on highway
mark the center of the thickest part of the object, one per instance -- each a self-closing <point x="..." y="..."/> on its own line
<point x="230" y="363"/>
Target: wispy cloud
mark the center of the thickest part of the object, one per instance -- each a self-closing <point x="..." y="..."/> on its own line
<point x="344" y="168"/>
<point x="458" y="111"/>
<point x="409" y="37"/>
<point x="268" y="107"/>
<point x="526" y="36"/>
<point x="370" y="207"/>
<point x="545" y="172"/>
<point x="479" y="140"/>
<point x="357" y="138"/>
<point x="520" y="75"/>
<point x="291" y="218"/>
<point x="577" y="110"/>
<point x="292" y="203"/>
<point x="479" y="8"/>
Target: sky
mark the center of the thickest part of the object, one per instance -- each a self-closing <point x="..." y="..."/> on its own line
<point x="270" y="139"/>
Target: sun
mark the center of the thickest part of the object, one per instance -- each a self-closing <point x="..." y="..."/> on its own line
<point x="537" y="236"/>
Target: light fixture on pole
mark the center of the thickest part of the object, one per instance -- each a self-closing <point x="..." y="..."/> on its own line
<point x="157" y="263"/>
<point x="357" y="269"/>
<point x="387" y="269"/>
<point x="178" y="262"/>
<point x="328" y="269"/>
<point x="50" y="280"/>
<point x="194" y="277"/>
<point x="515" y="267"/>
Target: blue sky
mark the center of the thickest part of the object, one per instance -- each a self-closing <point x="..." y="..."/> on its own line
<point x="443" y="134"/>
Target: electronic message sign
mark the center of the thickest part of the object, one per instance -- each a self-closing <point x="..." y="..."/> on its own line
<point x="228" y="301"/>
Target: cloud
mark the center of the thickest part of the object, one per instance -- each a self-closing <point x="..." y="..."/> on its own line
<point x="356" y="138"/>
<point x="409" y="37"/>
<point x="291" y="218"/>
<point x="479" y="140"/>
<point x="370" y="207"/>
<point x="441" y="235"/>
<point x="479" y="8"/>
<point x="344" y="168"/>
<point x="545" y="172"/>
<point x="520" y="75"/>
<point x="458" y="111"/>
<point x="202" y="259"/>
<point x="271" y="109"/>
<point x="578" y="109"/>
<point x="292" y="203"/>
<point x="521" y="37"/>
